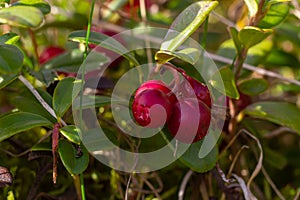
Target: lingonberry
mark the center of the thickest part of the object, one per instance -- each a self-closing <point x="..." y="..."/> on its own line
<point x="49" y="53"/>
<point x="159" y="85"/>
<point x="151" y="107"/>
<point x="190" y="120"/>
<point x="243" y="102"/>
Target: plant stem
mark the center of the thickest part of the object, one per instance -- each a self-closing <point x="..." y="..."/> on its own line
<point x="82" y="186"/>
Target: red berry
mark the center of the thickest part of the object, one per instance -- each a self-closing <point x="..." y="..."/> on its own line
<point x="243" y="102"/>
<point x="159" y="85"/>
<point x="148" y="106"/>
<point x="201" y="91"/>
<point x="49" y="53"/>
<point x="190" y="120"/>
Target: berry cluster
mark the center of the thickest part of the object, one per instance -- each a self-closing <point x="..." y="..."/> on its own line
<point x="183" y="114"/>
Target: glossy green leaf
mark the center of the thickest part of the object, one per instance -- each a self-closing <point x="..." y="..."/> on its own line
<point x="43" y="6"/>
<point x="75" y="164"/>
<point x="187" y="23"/>
<point x="275" y="15"/>
<point x="92" y="102"/>
<point x="11" y="59"/>
<point x="228" y="82"/>
<point x="21" y="121"/>
<point x="252" y="7"/>
<point x="7" y="79"/>
<point x="104" y="41"/>
<point x="234" y="35"/>
<point x="23" y="16"/>
<point x="9" y="38"/>
<point x="282" y="113"/>
<point x="64" y="95"/>
<point x="31" y="105"/>
<point x="71" y="133"/>
<point x="250" y="36"/>
<point x="190" y="158"/>
<point x="253" y="86"/>
<point x="189" y="55"/>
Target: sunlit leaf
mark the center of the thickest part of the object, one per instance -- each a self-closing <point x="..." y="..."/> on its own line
<point x="71" y="133"/>
<point x="186" y="23"/>
<point x="275" y="15"/>
<point x="250" y="36"/>
<point x="189" y="55"/>
<point x="23" y="16"/>
<point x="252" y="7"/>
<point x="234" y="35"/>
<point x="104" y="41"/>
<point x="9" y="38"/>
<point x="43" y="6"/>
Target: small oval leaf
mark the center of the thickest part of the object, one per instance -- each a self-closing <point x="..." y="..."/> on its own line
<point x="189" y="55"/>
<point x="7" y="79"/>
<point x="253" y="87"/>
<point x="43" y="6"/>
<point x="11" y="59"/>
<point x="75" y="164"/>
<point x="64" y="95"/>
<point x="228" y="82"/>
<point x="250" y="36"/>
<point x="23" y="16"/>
<point x="21" y="121"/>
<point x="71" y="133"/>
<point x="9" y="38"/>
<point x="282" y="113"/>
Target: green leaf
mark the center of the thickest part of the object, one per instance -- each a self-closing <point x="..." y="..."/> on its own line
<point x="252" y="7"/>
<point x="228" y="82"/>
<point x="71" y="133"/>
<point x="255" y="56"/>
<point x="43" y="6"/>
<point x="105" y="42"/>
<point x="23" y="16"/>
<point x="7" y="79"/>
<point x="11" y="59"/>
<point x="31" y="105"/>
<point x="92" y="102"/>
<point x="276" y="13"/>
<point x="282" y="113"/>
<point x="9" y="38"/>
<point x="189" y="55"/>
<point x="234" y="35"/>
<point x="74" y="164"/>
<point x="21" y="121"/>
<point x="253" y="86"/>
<point x="186" y="23"/>
<point x="64" y="95"/>
<point x="190" y="158"/>
<point x="250" y="36"/>
<point x="45" y="146"/>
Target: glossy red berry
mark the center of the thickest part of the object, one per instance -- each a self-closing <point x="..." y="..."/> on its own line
<point x="190" y="120"/>
<point x="151" y="108"/>
<point x="159" y="85"/>
<point x="49" y="53"/>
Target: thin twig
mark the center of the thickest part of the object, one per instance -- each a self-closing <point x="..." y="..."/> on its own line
<point x="184" y="184"/>
<point x="39" y="98"/>
<point x="127" y="187"/>
<point x="235" y="160"/>
<point x="223" y="19"/>
<point x="272" y="183"/>
<point x="297" y="194"/>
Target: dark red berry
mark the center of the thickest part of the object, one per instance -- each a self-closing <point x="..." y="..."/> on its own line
<point x="49" y="53"/>
<point x="243" y="102"/>
<point x="151" y="107"/>
<point x="201" y="91"/>
<point x="190" y="120"/>
<point x="159" y="85"/>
